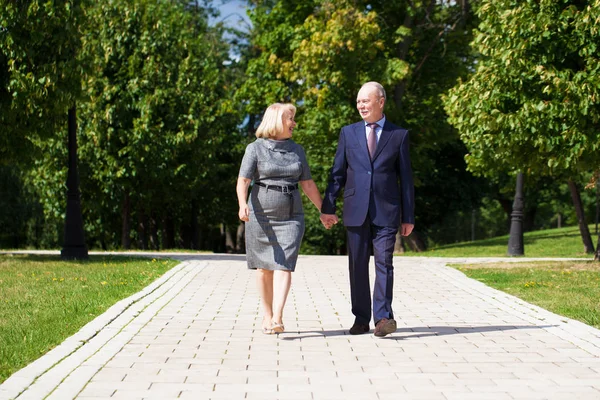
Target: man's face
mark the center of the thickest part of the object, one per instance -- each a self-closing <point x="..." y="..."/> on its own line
<point x="369" y="104"/>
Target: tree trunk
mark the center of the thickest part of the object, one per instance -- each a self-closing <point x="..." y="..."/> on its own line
<point x="220" y="244"/>
<point x="597" y="255"/>
<point x="473" y="224"/>
<point x="583" y="227"/>
<point x="597" y="204"/>
<point x="153" y="232"/>
<point x="251" y="125"/>
<point x="126" y="222"/>
<point x="529" y="219"/>
<point x="195" y="240"/>
<point x="506" y="205"/>
<point x="229" y="241"/>
<point x="399" y="246"/>
<point x="466" y="9"/>
<point x="168" y="237"/>
<point x="240" y="243"/>
<point x="142" y="230"/>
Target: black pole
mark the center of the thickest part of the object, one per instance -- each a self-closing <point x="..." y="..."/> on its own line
<point x="74" y="246"/>
<point x="515" y="240"/>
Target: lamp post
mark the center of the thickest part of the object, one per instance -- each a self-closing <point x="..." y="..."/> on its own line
<point x="74" y="246"/>
<point x="515" y="240"/>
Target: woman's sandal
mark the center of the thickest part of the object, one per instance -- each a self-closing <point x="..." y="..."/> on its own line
<point x="267" y="330"/>
<point x="277" y="328"/>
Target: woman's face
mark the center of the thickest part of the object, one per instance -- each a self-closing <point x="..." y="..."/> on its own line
<point x="288" y="125"/>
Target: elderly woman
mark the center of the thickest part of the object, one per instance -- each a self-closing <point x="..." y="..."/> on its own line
<point x="273" y="214"/>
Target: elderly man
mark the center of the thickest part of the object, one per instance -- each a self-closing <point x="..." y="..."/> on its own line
<point x="372" y="164"/>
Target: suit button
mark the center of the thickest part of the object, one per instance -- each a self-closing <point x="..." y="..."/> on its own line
<point x="369" y="172"/>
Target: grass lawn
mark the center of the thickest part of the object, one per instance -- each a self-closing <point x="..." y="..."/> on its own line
<point x="44" y="300"/>
<point x="571" y="289"/>
<point x="563" y="242"/>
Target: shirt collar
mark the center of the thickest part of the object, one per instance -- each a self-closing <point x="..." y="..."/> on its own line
<point x="381" y="122"/>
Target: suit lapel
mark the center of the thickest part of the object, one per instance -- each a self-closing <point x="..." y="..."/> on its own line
<point x="361" y="135"/>
<point x="386" y="134"/>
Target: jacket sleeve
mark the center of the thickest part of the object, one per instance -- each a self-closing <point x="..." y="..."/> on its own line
<point x="337" y="177"/>
<point x="407" y="189"/>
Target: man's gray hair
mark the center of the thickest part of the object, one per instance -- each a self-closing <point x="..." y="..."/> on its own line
<point x="377" y="86"/>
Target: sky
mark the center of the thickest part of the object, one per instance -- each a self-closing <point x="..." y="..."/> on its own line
<point x="233" y="13"/>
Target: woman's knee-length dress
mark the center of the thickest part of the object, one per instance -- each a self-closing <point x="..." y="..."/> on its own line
<point x="276" y="223"/>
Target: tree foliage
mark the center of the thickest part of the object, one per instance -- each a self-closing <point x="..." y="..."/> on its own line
<point x="155" y="128"/>
<point x="161" y="104"/>
<point x="533" y="102"/>
<point x="40" y="76"/>
<point x="318" y="54"/>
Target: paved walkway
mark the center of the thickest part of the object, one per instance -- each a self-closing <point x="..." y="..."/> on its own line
<point x="195" y="334"/>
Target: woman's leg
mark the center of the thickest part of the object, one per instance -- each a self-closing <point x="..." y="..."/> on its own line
<point x="282" y="282"/>
<point x="264" y="282"/>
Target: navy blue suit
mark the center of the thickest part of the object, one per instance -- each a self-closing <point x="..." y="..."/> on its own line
<point x="378" y="197"/>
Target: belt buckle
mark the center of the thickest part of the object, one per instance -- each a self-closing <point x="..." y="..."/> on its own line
<point x="285" y="189"/>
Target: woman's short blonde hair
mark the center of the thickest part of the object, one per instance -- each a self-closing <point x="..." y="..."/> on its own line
<point x="272" y="122"/>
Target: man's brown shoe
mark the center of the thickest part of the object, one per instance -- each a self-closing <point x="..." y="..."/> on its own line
<point x="384" y="327"/>
<point x="359" y="329"/>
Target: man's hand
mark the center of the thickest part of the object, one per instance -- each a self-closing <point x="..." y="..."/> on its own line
<point x="328" y="220"/>
<point x="406" y="229"/>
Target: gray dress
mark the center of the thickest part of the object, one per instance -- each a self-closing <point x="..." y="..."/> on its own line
<point x="276" y="223"/>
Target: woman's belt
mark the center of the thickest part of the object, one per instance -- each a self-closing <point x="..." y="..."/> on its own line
<point x="286" y="190"/>
<point x="282" y="189"/>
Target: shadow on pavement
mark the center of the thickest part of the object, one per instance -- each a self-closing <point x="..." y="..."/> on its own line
<point x="451" y="330"/>
<point x="414" y="333"/>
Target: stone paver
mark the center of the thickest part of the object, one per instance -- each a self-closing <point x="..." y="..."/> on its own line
<point x="195" y="334"/>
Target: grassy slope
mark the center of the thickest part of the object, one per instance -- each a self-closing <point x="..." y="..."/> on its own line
<point x="563" y="242"/>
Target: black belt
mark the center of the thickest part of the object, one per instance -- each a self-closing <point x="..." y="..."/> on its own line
<point x="283" y="189"/>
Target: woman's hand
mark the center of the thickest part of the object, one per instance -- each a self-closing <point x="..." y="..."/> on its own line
<point x="241" y="189"/>
<point x="244" y="212"/>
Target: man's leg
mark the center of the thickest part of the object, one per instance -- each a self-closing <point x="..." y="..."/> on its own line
<point x="359" y="242"/>
<point x="384" y="239"/>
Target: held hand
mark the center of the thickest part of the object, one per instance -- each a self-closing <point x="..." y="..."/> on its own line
<point x="325" y="221"/>
<point x="334" y="219"/>
<point x="406" y="229"/>
<point x="328" y="220"/>
<point x="244" y="213"/>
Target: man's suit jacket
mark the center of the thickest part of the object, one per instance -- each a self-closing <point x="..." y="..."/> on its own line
<point x="382" y="188"/>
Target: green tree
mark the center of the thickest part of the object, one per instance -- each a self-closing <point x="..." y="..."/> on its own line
<point x="532" y="103"/>
<point x="157" y="116"/>
<point x="156" y="109"/>
<point x="40" y="81"/>
<point x="40" y="75"/>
